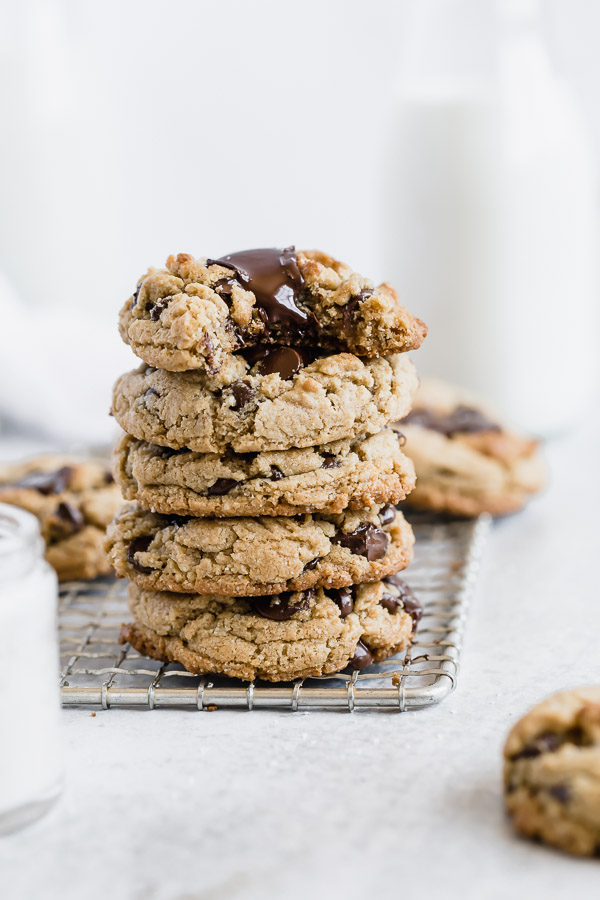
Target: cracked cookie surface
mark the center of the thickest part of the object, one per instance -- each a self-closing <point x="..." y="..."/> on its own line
<point x="240" y="408"/>
<point x="552" y="772"/>
<point x="466" y="463"/>
<point x="297" y="635"/>
<point x="73" y="500"/>
<point x="330" y="478"/>
<point x="195" y="312"/>
<point x="254" y="556"/>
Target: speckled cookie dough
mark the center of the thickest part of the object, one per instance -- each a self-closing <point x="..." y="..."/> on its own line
<point x="276" y="638"/>
<point x="253" y="556"/>
<point x="552" y="772"/>
<point x="195" y="312"/>
<point x="74" y="500"/>
<point x="329" y="478"/>
<point x="466" y="463"/>
<point x="332" y="398"/>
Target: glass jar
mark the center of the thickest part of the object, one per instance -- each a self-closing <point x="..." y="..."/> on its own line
<point x="30" y="735"/>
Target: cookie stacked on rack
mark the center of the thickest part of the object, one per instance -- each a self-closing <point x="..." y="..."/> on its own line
<point x="262" y="539"/>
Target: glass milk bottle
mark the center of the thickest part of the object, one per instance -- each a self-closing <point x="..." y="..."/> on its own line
<point x="30" y="737"/>
<point x="491" y="211"/>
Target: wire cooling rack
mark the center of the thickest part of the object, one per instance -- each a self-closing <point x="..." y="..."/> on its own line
<point x="99" y="672"/>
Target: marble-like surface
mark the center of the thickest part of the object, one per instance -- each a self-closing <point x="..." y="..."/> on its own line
<point x="170" y="805"/>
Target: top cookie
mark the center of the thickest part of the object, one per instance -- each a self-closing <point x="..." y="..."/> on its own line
<point x="193" y="313"/>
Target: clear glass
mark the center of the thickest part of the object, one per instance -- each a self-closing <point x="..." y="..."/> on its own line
<point x="30" y="729"/>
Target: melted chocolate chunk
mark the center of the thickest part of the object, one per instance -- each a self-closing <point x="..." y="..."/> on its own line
<point x="242" y="394"/>
<point x="312" y="564"/>
<point x="560" y="792"/>
<point x="139" y="545"/>
<point x="224" y="287"/>
<point x="330" y="461"/>
<point x="462" y="420"/>
<point x="547" y="742"/>
<point x="285" y="361"/>
<point x="280" y="607"/>
<point x="220" y="487"/>
<point x="366" y="540"/>
<point x="387" y="514"/>
<point x="276" y="474"/>
<point x="406" y="599"/>
<point x="345" y="600"/>
<point x="70" y="517"/>
<point x="47" y="482"/>
<point x="276" y="281"/>
<point x="362" y="657"/>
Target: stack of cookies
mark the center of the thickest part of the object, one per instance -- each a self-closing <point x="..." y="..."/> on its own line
<point x="262" y="539"/>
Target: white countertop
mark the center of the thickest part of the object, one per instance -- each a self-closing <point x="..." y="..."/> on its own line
<point x="172" y="805"/>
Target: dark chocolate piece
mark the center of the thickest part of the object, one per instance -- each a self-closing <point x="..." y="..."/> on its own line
<point x="242" y="394"/>
<point x="312" y="564"/>
<point x="462" y="420"/>
<point x="345" y="600"/>
<point x="387" y="514"/>
<point x="362" y="657"/>
<point x="330" y="461"/>
<point x="276" y="474"/>
<point x="220" y="487"/>
<point x="273" y="276"/>
<point x="280" y="607"/>
<point x="136" y="294"/>
<point x="71" y="517"/>
<point x="156" y="307"/>
<point x="47" y="482"/>
<point x="406" y="599"/>
<point x="139" y="545"/>
<point x="224" y="288"/>
<point x="285" y="361"/>
<point x="547" y="742"/>
<point x="366" y="540"/>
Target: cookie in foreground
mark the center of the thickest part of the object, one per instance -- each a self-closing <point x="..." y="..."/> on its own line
<point x="256" y="556"/>
<point x="552" y="772"/>
<point x="276" y="638"/>
<point x="195" y="313"/>
<point x="74" y="499"/>
<point x="285" y="399"/>
<point x="352" y="473"/>
<point x="466" y="461"/>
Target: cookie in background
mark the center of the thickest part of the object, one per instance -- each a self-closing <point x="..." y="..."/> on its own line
<point x="74" y="499"/>
<point x="466" y="461"/>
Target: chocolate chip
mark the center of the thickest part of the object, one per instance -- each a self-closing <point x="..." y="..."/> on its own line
<point x="387" y="514"/>
<point x="276" y="474"/>
<point x="362" y="657"/>
<point x="224" y="287"/>
<point x="136" y="294"/>
<point x="406" y="599"/>
<point x="109" y="478"/>
<point x="366" y="540"/>
<point x="242" y="394"/>
<point x="312" y="564"/>
<point x="284" y="361"/>
<point x="139" y="545"/>
<point x="330" y="461"/>
<point x="70" y="520"/>
<point x="280" y="607"/>
<point x="547" y="742"/>
<point x="220" y="487"/>
<point x="560" y="792"/>
<point x="345" y="600"/>
<point x="462" y="420"/>
<point x="348" y="313"/>
<point x="47" y="482"/>
<point x="151" y="393"/>
<point x="276" y="281"/>
<point x="155" y="309"/>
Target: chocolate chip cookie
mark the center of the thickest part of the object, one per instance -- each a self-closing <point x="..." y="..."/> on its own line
<point x="466" y="462"/>
<point x="245" y="409"/>
<point x="330" y="478"/>
<point x="74" y="501"/>
<point x="276" y="638"/>
<point x="194" y="313"/>
<point x="552" y="772"/>
<point x="254" y="556"/>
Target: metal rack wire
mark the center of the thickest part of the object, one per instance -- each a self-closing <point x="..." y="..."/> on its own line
<point x="96" y="671"/>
